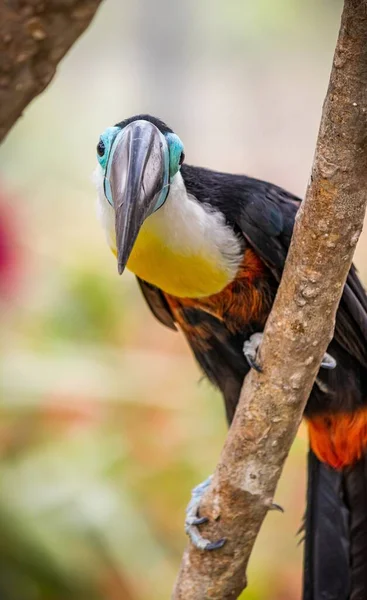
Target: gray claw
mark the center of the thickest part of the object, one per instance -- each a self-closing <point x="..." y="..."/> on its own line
<point x="199" y="521"/>
<point x="277" y="507"/>
<point x="193" y="520"/>
<point x="328" y="362"/>
<point x="250" y="349"/>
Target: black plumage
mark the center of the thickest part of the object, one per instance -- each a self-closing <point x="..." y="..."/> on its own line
<point x="355" y="498"/>
<point x="327" y="573"/>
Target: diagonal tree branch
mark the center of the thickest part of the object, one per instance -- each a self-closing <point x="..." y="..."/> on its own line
<point x="298" y="330"/>
<point x="34" y="37"/>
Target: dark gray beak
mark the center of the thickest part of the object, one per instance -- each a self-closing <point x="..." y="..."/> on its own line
<point x="138" y="178"/>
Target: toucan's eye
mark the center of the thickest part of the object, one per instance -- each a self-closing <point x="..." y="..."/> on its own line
<point x="105" y="143"/>
<point x="182" y="158"/>
<point x="101" y="148"/>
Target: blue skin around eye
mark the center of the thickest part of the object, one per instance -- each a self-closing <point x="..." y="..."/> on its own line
<point x="107" y="138"/>
<point x="175" y="150"/>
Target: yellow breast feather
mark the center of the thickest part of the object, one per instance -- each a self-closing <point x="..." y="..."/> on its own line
<point x="182" y="274"/>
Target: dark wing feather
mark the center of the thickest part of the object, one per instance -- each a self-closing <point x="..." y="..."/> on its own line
<point x="357" y="289"/>
<point x="270" y="236"/>
<point x="266" y="221"/>
<point x="355" y="495"/>
<point x="351" y="324"/>
<point x="157" y="304"/>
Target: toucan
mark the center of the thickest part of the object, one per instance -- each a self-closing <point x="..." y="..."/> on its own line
<point x="208" y="250"/>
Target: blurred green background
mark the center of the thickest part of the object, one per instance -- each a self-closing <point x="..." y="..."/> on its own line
<point x="106" y="424"/>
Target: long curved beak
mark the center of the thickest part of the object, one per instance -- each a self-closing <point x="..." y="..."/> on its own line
<point x="137" y="175"/>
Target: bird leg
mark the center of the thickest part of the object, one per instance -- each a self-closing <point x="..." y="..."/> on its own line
<point x="193" y="520"/>
<point x="251" y="346"/>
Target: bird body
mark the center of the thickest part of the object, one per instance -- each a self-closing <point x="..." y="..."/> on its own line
<point x="208" y="250"/>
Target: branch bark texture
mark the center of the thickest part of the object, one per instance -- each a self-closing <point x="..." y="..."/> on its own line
<point x="298" y="330"/>
<point x="34" y="36"/>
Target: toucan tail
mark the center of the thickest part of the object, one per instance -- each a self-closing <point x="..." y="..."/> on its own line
<point x="335" y="560"/>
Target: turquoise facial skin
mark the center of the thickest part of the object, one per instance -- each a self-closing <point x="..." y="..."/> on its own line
<point x="172" y="151"/>
<point x="107" y="137"/>
<point x="176" y="149"/>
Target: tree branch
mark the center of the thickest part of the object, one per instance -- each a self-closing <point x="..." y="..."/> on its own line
<point x="298" y="330"/>
<point x="34" y="37"/>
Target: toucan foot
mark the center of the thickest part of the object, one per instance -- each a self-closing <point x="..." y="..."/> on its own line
<point x="251" y="347"/>
<point x="193" y="520"/>
<point x="328" y="362"/>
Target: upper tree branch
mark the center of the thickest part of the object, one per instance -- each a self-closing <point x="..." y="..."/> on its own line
<point x="298" y="330"/>
<point x="34" y="36"/>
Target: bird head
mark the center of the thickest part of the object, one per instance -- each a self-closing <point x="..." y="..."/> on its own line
<point x="138" y="157"/>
